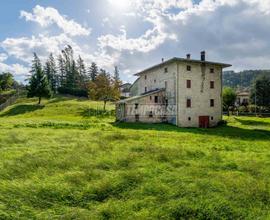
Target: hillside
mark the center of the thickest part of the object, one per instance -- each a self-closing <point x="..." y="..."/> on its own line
<point x="5" y="95"/>
<point x="242" y="79"/>
<point x="69" y="160"/>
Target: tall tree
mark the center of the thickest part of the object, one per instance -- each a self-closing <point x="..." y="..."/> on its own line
<point x="38" y="85"/>
<point x="61" y="71"/>
<point x="260" y="92"/>
<point x="82" y="80"/>
<point x="51" y="73"/>
<point x="116" y="74"/>
<point x="69" y="67"/>
<point x="93" y="72"/>
<point x="229" y="97"/>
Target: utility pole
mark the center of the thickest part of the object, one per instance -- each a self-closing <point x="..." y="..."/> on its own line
<point x="256" y="99"/>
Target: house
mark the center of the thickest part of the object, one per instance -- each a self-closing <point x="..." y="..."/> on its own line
<point x="242" y="98"/>
<point x="181" y="91"/>
<point x="125" y="90"/>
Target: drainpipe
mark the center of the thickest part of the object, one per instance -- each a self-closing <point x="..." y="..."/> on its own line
<point x="176" y="96"/>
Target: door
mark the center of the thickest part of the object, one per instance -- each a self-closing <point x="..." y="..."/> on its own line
<point x="204" y="121"/>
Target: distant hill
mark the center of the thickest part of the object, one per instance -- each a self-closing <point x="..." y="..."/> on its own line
<point x="241" y="79"/>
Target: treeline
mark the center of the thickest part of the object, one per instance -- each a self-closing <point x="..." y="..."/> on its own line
<point x="7" y="82"/>
<point x="243" y="79"/>
<point x="65" y="75"/>
<point x="259" y="96"/>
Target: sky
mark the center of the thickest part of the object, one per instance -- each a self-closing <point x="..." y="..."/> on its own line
<point x="135" y="34"/>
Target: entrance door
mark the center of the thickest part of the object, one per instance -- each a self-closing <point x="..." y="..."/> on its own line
<point x="204" y="121"/>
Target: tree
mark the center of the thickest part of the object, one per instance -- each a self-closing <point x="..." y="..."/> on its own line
<point x="229" y="97"/>
<point x="6" y="81"/>
<point x="260" y="92"/>
<point x="93" y="72"/>
<point x="116" y="74"/>
<point x="103" y="88"/>
<point x="38" y="85"/>
<point x="51" y="73"/>
<point x="116" y="84"/>
<point x="61" y="71"/>
<point x="82" y="78"/>
<point x="69" y="67"/>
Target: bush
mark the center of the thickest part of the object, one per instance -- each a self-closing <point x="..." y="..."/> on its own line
<point x="242" y="108"/>
<point x="75" y="92"/>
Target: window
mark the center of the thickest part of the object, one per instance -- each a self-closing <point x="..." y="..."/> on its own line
<point x="188" y="68"/>
<point x="150" y="114"/>
<point x="155" y="81"/>
<point x="188" y="84"/>
<point x="156" y="99"/>
<point x="188" y="103"/>
<point x="212" y="118"/>
<point x="145" y="89"/>
<point x="145" y="77"/>
<point x="136" y="106"/>
<point x="150" y="98"/>
<point x="212" y="102"/>
<point x="212" y="70"/>
<point x="189" y="118"/>
<point x="166" y="84"/>
<point x="212" y="84"/>
<point x="165" y="70"/>
<point x="137" y="117"/>
<point x="166" y="102"/>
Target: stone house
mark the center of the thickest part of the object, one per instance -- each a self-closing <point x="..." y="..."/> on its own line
<point x="181" y="91"/>
<point x="125" y="90"/>
<point x="242" y="98"/>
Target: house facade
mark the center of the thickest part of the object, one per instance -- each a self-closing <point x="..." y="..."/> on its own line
<point x="125" y="90"/>
<point x="184" y="92"/>
<point x="242" y="98"/>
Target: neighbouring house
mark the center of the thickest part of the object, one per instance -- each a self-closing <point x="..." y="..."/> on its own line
<point x="125" y="90"/>
<point x="242" y="98"/>
<point x="181" y="91"/>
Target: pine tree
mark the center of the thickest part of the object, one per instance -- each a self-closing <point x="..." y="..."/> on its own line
<point x="69" y="67"/>
<point x="93" y="72"/>
<point x="38" y="85"/>
<point x="61" y="72"/>
<point x="82" y="80"/>
<point x="55" y="77"/>
<point x="51" y="73"/>
<point x="116" y="74"/>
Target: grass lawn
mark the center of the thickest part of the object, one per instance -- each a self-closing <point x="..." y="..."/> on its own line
<point x="65" y="161"/>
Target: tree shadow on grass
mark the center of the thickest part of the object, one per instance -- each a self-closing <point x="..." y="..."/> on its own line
<point x="92" y="112"/>
<point x="220" y="131"/>
<point x="250" y="122"/>
<point x="21" y="109"/>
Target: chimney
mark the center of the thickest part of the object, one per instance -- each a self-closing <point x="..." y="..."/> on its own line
<point x="203" y="56"/>
<point x="188" y="56"/>
<point x="162" y="60"/>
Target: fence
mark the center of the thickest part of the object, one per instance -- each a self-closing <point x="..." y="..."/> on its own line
<point x="10" y="101"/>
<point x="259" y="114"/>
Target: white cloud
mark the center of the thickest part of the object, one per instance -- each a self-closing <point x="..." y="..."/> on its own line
<point x="24" y="47"/>
<point x="145" y="43"/>
<point x="233" y="31"/>
<point x="3" y="57"/>
<point x="16" y="69"/>
<point x="47" y="16"/>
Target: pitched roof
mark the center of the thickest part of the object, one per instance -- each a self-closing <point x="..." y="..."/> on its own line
<point x="142" y="95"/>
<point x="176" y="59"/>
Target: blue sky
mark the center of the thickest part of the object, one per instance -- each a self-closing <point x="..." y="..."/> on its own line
<point x="135" y="34"/>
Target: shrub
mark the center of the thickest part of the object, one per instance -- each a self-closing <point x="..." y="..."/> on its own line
<point x="75" y="92"/>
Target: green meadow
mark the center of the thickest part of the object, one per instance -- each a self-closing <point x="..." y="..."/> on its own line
<point x="68" y="159"/>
